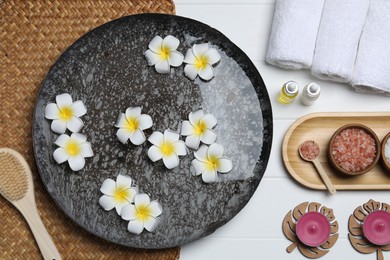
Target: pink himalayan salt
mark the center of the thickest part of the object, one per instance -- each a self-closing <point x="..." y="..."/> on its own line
<point x="309" y="150"/>
<point x="354" y="149"/>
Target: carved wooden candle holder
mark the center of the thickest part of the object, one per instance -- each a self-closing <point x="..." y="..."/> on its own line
<point x="312" y="228"/>
<point x="369" y="228"/>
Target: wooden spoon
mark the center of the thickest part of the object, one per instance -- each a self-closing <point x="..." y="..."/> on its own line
<point x="310" y="151"/>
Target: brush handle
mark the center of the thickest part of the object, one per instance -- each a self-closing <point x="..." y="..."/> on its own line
<point x="28" y="208"/>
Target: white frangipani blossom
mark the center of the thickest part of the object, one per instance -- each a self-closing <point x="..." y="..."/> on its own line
<point x="142" y="214"/>
<point x="199" y="129"/>
<point x="162" y="53"/>
<point x="167" y="147"/>
<point x="73" y="149"/>
<point x="65" y="114"/>
<point x="131" y="125"/>
<point x="117" y="194"/>
<point x="200" y="59"/>
<point x="209" y="161"/>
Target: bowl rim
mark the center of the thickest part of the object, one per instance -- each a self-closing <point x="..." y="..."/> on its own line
<point x="377" y="147"/>
<point x="383" y="144"/>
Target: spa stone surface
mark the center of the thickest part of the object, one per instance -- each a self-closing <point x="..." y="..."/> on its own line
<point x="106" y="69"/>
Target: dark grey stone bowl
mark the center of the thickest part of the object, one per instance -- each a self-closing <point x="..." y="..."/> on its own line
<point x="106" y="69"/>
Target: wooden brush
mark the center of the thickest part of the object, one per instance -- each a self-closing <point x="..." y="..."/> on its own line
<point x="16" y="185"/>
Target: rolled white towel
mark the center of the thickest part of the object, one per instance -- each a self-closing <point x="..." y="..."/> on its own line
<point x="338" y="39"/>
<point x="294" y="32"/>
<point x="372" y="67"/>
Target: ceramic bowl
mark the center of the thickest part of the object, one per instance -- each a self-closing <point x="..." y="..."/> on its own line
<point x="377" y="148"/>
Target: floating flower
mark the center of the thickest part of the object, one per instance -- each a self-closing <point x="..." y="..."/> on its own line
<point x="199" y="61"/>
<point x="117" y="194"/>
<point x="166" y="146"/>
<point x="162" y="53"/>
<point x="131" y="125"/>
<point x="65" y="114"/>
<point x="142" y="214"/>
<point x="209" y="161"/>
<point x="73" y="149"/>
<point x="199" y="128"/>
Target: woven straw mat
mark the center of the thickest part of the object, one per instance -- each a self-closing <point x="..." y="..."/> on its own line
<point x="33" y="33"/>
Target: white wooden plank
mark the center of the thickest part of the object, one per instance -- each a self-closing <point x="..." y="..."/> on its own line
<point x="248" y="26"/>
<point x="275" y="167"/>
<point x="263" y="215"/>
<point x="255" y="249"/>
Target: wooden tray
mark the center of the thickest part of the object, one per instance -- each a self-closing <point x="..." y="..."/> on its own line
<point x="320" y="128"/>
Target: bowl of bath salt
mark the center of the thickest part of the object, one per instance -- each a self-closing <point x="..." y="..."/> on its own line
<point x="354" y="149"/>
<point x="386" y="152"/>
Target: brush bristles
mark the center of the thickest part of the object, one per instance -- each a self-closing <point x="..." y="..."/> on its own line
<point x="13" y="177"/>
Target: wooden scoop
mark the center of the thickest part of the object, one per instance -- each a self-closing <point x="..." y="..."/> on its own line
<point x="310" y="151"/>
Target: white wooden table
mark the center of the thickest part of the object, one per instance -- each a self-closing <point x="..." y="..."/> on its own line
<point x="255" y="233"/>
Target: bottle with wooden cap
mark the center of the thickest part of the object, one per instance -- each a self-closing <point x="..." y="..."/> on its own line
<point x="289" y="91"/>
<point x="310" y="94"/>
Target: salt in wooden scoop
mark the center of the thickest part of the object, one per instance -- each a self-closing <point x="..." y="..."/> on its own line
<point x="310" y="151"/>
<point x="16" y="185"/>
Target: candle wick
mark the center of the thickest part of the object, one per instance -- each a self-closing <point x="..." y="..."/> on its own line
<point x="381" y="225"/>
<point x="314" y="228"/>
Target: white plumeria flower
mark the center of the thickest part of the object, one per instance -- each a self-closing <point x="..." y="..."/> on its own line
<point x="117" y="194"/>
<point x="166" y="146"/>
<point x="200" y="59"/>
<point x="142" y="214"/>
<point x="162" y="53"/>
<point x="199" y="128"/>
<point x="65" y="114"/>
<point x="73" y="149"/>
<point x="209" y="161"/>
<point x="131" y="125"/>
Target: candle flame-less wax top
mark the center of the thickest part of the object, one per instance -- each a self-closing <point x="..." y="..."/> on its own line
<point x="376" y="227"/>
<point x="313" y="229"/>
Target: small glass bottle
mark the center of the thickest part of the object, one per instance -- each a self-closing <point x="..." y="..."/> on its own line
<point x="289" y="91"/>
<point x="310" y="94"/>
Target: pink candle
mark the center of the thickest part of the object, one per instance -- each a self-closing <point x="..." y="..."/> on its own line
<point x="313" y="229"/>
<point x="376" y="227"/>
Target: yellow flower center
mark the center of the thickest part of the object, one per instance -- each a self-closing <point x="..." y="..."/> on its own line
<point x="132" y="124"/>
<point x="201" y="62"/>
<point x="121" y="194"/>
<point x="143" y="212"/>
<point x="66" y="113"/>
<point x="72" y="148"/>
<point x="167" y="148"/>
<point x="200" y="127"/>
<point x="212" y="163"/>
<point x="165" y="52"/>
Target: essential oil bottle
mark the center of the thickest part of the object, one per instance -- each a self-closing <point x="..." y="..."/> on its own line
<point x="310" y="94"/>
<point x="289" y="91"/>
